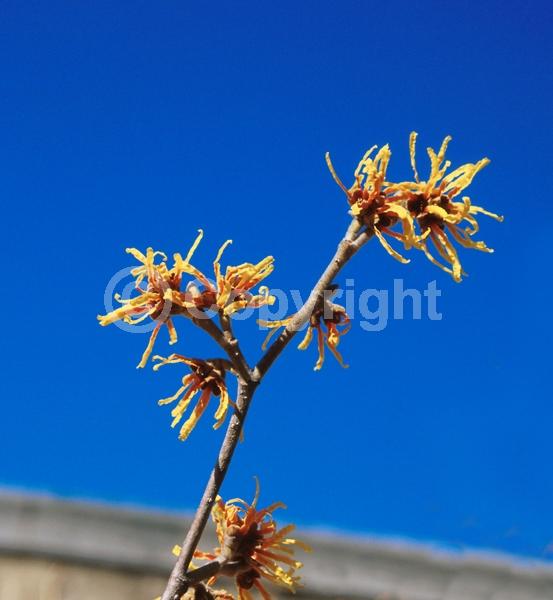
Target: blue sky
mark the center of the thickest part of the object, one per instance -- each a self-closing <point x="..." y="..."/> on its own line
<point x="136" y="124"/>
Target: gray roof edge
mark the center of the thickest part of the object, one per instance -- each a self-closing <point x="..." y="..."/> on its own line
<point x="133" y="538"/>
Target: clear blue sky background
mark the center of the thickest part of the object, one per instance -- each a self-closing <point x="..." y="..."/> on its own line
<point x="134" y="123"/>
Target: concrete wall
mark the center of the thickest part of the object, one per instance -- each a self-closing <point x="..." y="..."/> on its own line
<point x="25" y="578"/>
<point x="58" y="550"/>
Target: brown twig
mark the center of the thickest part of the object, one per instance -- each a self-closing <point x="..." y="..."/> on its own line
<point x="204" y="572"/>
<point x="179" y="580"/>
<point x="228" y="343"/>
<point x="248" y="381"/>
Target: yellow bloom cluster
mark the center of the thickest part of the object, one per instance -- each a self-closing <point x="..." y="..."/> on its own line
<point x="252" y="547"/>
<point x="330" y="322"/>
<point x="163" y="297"/>
<point x="207" y="379"/>
<point x="425" y="211"/>
<point x="150" y="300"/>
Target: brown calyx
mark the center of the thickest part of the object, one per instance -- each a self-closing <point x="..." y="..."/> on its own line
<point x="238" y="548"/>
<point x="246" y="579"/>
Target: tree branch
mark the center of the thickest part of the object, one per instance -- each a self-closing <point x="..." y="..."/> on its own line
<point x="248" y="381"/>
<point x="179" y="580"/>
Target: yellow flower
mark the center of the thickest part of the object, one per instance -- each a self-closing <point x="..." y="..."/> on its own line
<point x="372" y="203"/>
<point x="207" y="379"/>
<point x="431" y="203"/>
<point x="151" y="300"/>
<point x="230" y="292"/>
<point x="252" y="547"/>
<point x="163" y="298"/>
<point x="330" y="322"/>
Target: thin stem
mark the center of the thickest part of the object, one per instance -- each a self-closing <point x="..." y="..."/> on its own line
<point x="204" y="572"/>
<point x="228" y="344"/>
<point x="232" y="346"/>
<point x="179" y="580"/>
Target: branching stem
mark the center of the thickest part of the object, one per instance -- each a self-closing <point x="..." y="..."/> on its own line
<point x="248" y="381"/>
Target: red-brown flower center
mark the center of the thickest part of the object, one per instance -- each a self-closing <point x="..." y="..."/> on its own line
<point x="210" y="376"/>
